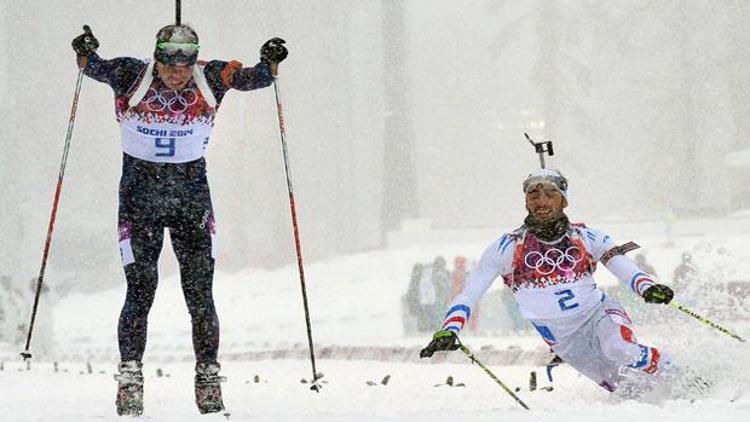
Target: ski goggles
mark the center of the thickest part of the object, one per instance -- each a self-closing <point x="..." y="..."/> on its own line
<point x="176" y="53"/>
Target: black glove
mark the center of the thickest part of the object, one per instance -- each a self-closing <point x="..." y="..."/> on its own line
<point x="273" y="51"/>
<point x="441" y="341"/>
<point x="658" y="293"/>
<point x="85" y="43"/>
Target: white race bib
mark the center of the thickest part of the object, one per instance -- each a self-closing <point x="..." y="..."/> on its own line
<point x="165" y="142"/>
<point x="165" y="125"/>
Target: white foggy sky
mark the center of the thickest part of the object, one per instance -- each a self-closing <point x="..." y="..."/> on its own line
<point x="623" y="89"/>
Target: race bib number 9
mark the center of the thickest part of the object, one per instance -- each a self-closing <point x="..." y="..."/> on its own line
<point x="165" y="145"/>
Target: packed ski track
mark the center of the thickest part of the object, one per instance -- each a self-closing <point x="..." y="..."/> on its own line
<point x="414" y="392"/>
<point x="359" y="338"/>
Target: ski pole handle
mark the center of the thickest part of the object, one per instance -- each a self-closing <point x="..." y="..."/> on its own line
<point x="83" y="60"/>
<point x="705" y="320"/>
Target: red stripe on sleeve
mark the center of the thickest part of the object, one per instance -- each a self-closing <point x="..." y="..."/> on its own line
<point x="458" y="319"/>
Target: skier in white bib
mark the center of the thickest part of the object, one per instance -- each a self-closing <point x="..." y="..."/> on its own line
<point x="549" y="263"/>
<point x="166" y="108"/>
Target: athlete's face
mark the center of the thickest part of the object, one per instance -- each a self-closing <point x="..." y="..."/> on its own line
<point x="545" y="203"/>
<point x="174" y="77"/>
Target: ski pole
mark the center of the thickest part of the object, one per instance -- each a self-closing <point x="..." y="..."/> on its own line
<point x="50" y="227"/>
<point x="474" y="359"/>
<point x="297" y="243"/>
<point x="705" y="320"/>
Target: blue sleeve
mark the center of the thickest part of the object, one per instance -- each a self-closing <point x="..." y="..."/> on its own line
<point x="249" y="78"/>
<point x="119" y="73"/>
<point x="223" y="76"/>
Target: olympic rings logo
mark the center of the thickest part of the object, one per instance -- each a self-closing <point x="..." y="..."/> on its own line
<point x="553" y="259"/>
<point x="170" y="100"/>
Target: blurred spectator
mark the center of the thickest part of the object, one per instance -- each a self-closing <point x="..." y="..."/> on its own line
<point x="412" y="310"/>
<point x="458" y="278"/>
<point x="422" y="297"/>
<point x="43" y="335"/>
<point x="428" y="294"/>
<point x="441" y="280"/>
<point x="14" y="306"/>
<point x="640" y="260"/>
<point x="517" y="323"/>
<point x="684" y="272"/>
<point x="670" y="218"/>
<point x="426" y="298"/>
<point x="459" y="275"/>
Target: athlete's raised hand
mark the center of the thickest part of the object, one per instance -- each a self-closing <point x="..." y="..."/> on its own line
<point x="273" y="51"/>
<point x="85" y="43"/>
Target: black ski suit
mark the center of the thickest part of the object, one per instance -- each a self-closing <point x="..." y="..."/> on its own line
<point x="159" y="191"/>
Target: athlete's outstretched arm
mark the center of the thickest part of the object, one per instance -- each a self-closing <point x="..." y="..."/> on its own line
<point x="628" y="272"/>
<point x="603" y="248"/>
<point x="249" y="78"/>
<point x="223" y="76"/>
<point x="495" y="260"/>
<point x="119" y="73"/>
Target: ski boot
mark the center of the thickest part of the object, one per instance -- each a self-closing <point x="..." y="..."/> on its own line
<point x="208" y="387"/>
<point x="130" y="388"/>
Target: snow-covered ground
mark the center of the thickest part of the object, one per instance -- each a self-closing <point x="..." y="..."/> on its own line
<point x="75" y="395"/>
<point x="355" y="302"/>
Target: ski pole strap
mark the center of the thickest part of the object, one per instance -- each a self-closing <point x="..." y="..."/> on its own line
<point x="705" y="320"/>
<point x="494" y="378"/>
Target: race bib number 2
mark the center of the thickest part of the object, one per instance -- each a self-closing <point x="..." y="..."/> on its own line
<point x="565" y="301"/>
